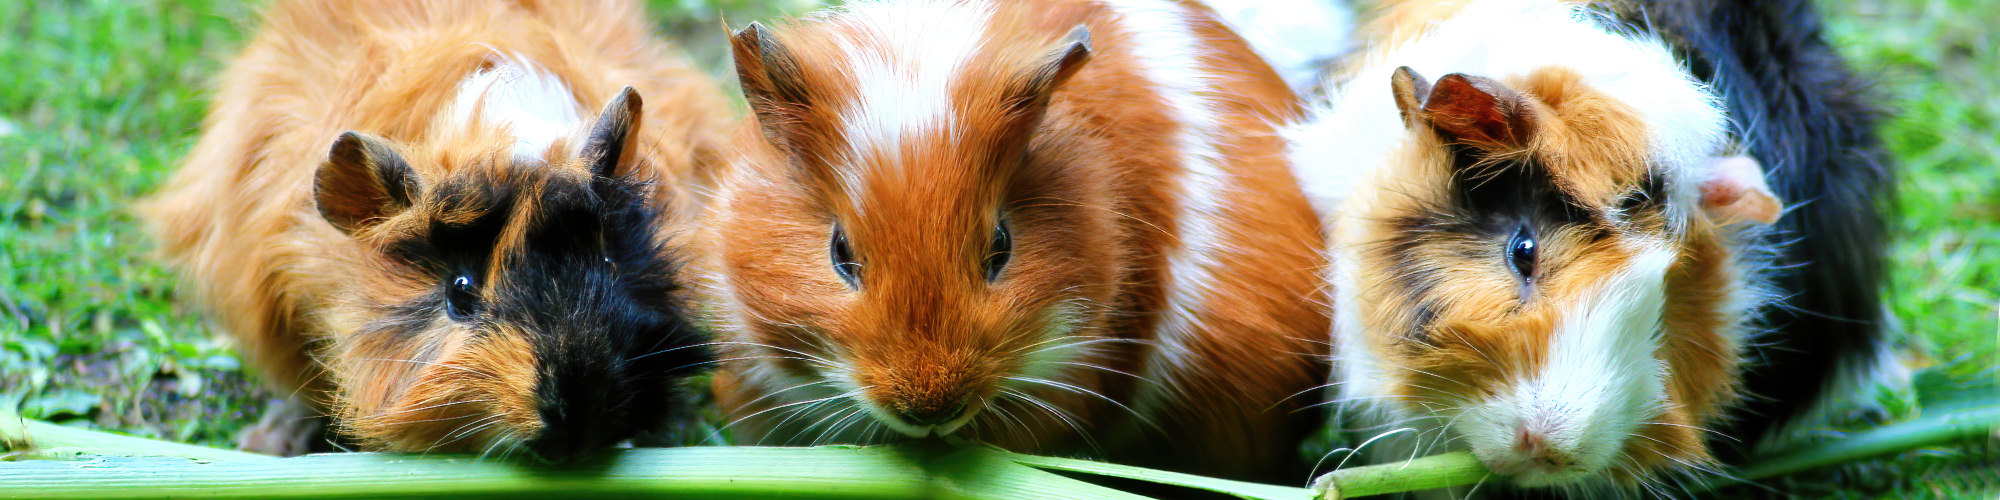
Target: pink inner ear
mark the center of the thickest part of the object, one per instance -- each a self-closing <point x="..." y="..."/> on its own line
<point x="1735" y="192"/>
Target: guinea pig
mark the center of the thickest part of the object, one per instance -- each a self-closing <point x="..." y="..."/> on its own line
<point x="1543" y="249"/>
<point x="401" y="213"/>
<point x="1056" y="226"/>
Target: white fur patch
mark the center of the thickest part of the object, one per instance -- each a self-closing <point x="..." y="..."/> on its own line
<point x="534" y="105"/>
<point x="1059" y="343"/>
<point x="1169" y="52"/>
<point x="1358" y="378"/>
<point x="1600" y="381"/>
<point x="1295" y="36"/>
<point x="904" y="59"/>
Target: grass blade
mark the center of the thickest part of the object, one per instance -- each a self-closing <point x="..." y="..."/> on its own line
<point x="912" y="470"/>
<point x="25" y="438"/>
<point x="1432" y="472"/>
<point x="1240" y="489"/>
<point x="1931" y="430"/>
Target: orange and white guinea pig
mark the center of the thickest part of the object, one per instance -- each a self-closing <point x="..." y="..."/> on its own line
<point x="1542" y="249"/>
<point x="410" y="214"/>
<point x="1059" y="226"/>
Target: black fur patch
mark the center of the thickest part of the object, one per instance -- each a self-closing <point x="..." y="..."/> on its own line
<point x="1488" y="201"/>
<point x="589" y="280"/>
<point x="613" y="339"/>
<point x="1507" y="191"/>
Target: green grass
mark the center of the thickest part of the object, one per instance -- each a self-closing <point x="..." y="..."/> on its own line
<point x="1938" y="61"/>
<point x="99" y="99"/>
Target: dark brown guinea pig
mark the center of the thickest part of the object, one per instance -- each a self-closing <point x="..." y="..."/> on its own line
<point x="1058" y="226"/>
<point x="474" y="264"/>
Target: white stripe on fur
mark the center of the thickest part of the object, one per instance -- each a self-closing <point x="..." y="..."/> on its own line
<point x="904" y="57"/>
<point x="533" y="104"/>
<point x="1169" y="53"/>
<point x="1295" y="36"/>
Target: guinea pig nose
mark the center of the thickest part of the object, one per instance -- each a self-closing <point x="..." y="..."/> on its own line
<point x="574" y="421"/>
<point x="1529" y="443"/>
<point x="1536" y="449"/>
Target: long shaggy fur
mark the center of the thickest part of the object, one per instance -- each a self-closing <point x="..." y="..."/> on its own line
<point x="570" y="263"/>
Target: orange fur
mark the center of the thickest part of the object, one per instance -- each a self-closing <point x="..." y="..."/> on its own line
<point x="306" y="301"/>
<point x="1093" y="209"/>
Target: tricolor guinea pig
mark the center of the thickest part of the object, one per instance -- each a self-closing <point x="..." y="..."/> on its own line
<point x="1544" y="250"/>
<point x="414" y="215"/>
<point x="1057" y="226"/>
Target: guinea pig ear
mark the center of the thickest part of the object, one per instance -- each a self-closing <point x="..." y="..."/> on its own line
<point x="1410" y="90"/>
<point x="1479" y="111"/>
<point x="771" y="79"/>
<point x="1735" y="192"/>
<point x="610" y="141"/>
<point x="363" y="180"/>
<point x="1029" y="92"/>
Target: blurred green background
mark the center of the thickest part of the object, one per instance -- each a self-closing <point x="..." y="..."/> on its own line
<point x="100" y="98"/>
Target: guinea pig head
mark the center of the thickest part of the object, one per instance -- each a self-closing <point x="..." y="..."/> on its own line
<point x="913" y="250"/>
<point x="506" y="300"/>
<point x="1536" y="281"/>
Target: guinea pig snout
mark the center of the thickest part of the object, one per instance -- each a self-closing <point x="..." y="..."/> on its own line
<point x="601" y="381"/>
<point x="1541" y="443"/>
<point x="577" y="419"/>
<point x="1536" y="449"/>
<point x="579" y="412"/>
<point x="926" y="398"/>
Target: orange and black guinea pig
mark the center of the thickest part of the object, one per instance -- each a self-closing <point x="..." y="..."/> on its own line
<point x="451" y="225"/>
<point x="536" y="302"/>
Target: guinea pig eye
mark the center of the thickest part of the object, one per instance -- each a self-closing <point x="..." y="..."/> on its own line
<point x="1521" y="254"/>
<point x="461" y="297"/>
<point x="1003" y="249"/>
<point x="843" y="259"/>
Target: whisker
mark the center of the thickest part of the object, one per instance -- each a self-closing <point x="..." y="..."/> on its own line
<point x="481" y="424"/>
<point x="849" y="410"/>
<point x="439" y="405"/>
<point x="852" y="393"/>
<point x="1120" y="372"/>
<point x="1080" y="390"/>
<point x="1058" y="414"/>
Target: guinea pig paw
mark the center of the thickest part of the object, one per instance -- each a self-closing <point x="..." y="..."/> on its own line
<point x="289" y="428"/>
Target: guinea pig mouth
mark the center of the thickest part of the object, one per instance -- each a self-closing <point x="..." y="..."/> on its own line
<point x="1535" y="470"/>
<point x="1537" y="452"/>
<point x="917" y="427"/>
